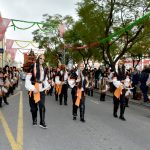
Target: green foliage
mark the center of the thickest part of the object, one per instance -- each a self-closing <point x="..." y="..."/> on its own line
<point x="114" y="22"/>
<point x="114" y="19"/>
<point x="50" y="38"/>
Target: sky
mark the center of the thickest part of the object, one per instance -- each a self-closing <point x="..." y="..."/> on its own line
<point x="32" y="10"/>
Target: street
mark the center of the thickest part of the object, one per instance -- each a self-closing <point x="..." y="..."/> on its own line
<point x="100" y="132"/>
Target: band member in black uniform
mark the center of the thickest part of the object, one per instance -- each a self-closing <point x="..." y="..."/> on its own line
<point x="50" y="75"/>
<point x="78" y="92"/>
<point x="103" y="87"/>
<point x="91" y="84"/>
<point x="64" y="89"/>
<point x="58" y="84"/>
<point x="37" y="83"/>
<point x="119" y="92"/>
<point x="72" y="77"/>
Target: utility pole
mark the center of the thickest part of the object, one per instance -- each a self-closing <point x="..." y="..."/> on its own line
<point x="64" y="55"/>
<point x="2" y="52"/>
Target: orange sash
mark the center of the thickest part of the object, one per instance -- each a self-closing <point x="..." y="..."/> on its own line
<point x="36" y="95"/>
<point x="79" y="94"/>
<point x="58" y="88"/>
<point x="118" y="91"/>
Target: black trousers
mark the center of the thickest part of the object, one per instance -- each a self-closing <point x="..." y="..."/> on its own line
<point x="51" y="90"/>
<point x="82" y="106"/>
<point x="0" y="101"/>
<point x="90" y="91"/>
<point x="134" y="90"/>
<point x="74" y="97"/>
<point x="82" y="103"/>
<point x="34" y="107"/>
<point x="11" y="90"/>
<point x="102" y="96"/>
<point x="3" y="98"/>
<point x="118" y="102"/>
<point x="63" y="94"/>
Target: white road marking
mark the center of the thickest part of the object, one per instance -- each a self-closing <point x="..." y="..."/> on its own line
<point x="94" y="102"/>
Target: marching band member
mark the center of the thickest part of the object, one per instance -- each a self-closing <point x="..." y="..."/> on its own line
<point x="118" y="98"/>
<point x="36" y="83"/>
<point x="103" y="87"/>
<point x="50" y="75"/>
<point x="72" y="83"/>
<point x="91" y="84"/>
<point x="78" y="92"/>
<point x="58" y="84"/>
<point x="64" y="81"/>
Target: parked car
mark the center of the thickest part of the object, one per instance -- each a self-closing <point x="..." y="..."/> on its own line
<point x="22" y="75"/>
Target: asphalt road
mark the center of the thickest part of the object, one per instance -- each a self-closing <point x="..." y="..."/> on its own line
<point x="100" y="132"/>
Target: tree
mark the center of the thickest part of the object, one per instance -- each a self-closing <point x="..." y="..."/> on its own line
<point x="79" y="36"/>
<point x="110" y="22"/>
<point x="49" y="37"/>
<point x="139" y="51"/>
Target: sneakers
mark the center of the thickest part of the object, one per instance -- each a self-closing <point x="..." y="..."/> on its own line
<point x="43" y="125"/>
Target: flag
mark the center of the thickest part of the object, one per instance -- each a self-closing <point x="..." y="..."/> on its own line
<point x="0" y="18"/>
<point x="9" y="43"/>
<point x="12" y="52"/>
<point x="61" y="30"/>
<point x="3" y="26"/>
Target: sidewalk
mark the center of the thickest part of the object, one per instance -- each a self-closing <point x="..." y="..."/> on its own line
<point x="132" y="101"/>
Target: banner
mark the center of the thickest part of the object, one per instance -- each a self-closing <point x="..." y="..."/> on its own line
<point x="61" y="30"/>
<point x="9" y="43"/>
<point x="12" y="52"/>
<point x="0" y="18"/>
<point x="3" y="26"/>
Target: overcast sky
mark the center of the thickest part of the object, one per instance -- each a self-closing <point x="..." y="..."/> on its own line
<point x="32" y="10"/>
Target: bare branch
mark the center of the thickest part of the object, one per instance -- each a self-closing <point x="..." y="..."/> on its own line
<point x="110" y="18"/>
<point x="137" y="33"/>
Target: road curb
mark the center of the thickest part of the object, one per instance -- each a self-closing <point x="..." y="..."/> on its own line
<point x="131" y="101"/>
